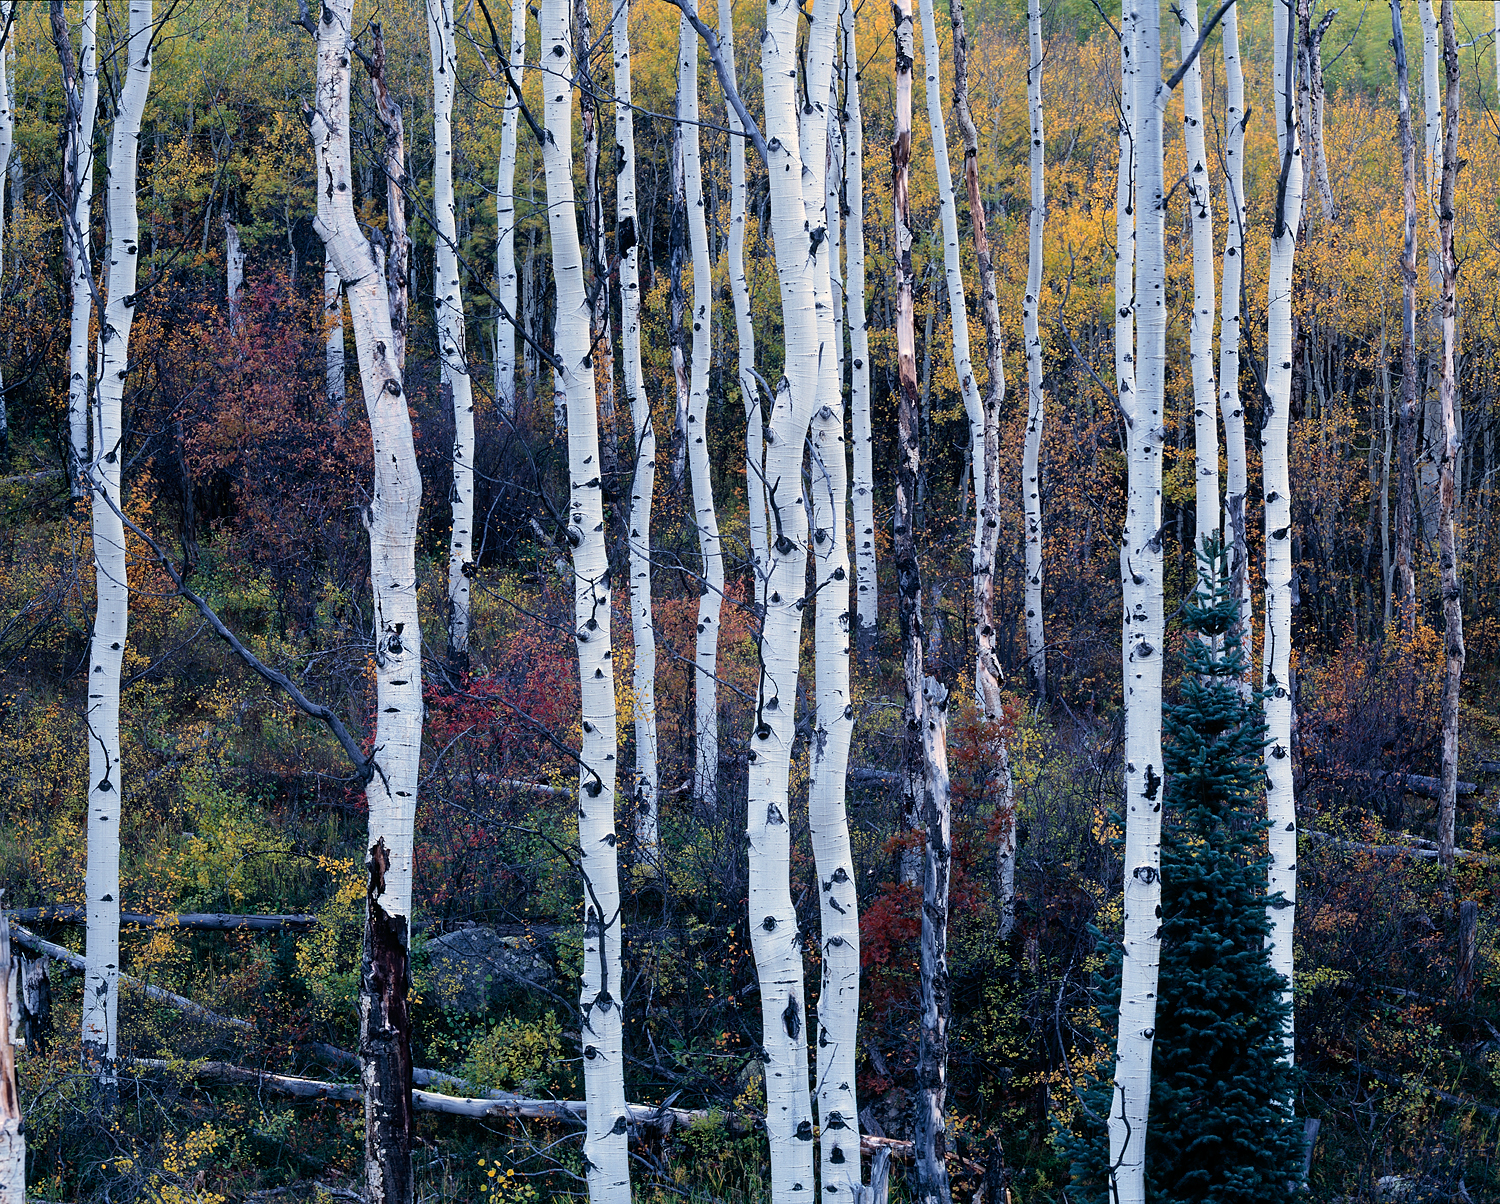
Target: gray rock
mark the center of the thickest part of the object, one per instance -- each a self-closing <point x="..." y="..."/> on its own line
<point x="474" y="968"/>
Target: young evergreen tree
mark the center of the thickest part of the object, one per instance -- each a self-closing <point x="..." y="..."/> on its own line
<point x="1221" y="1129"/>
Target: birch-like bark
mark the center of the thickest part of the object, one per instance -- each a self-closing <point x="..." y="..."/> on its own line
<point x="1407" y="416"/>
<point x="1453" y="615"/>
<point x="706" y="654"/>
<point x="1281" y="808"/>
<point x="452" y="345"/>
<point x="391" y="519"/>
<point x="81" y="91"/>
<point x="1125" y="293"/>
<point x="1431" y="417"/>
<point x="333" y="353"/>
<point x="1201" y="327"/>
<point x="505" y="219"/>
<point x="101" y="976"/>
<point x="597" y="252"/>
<point x="606" y="1159"/>
<point x="987" y="671"/>
<point x="1142" y="573"/>
<point x="234" y="271"/>
<point x="1031" y="475"/>
<point x="644" y="481"/>
<point x="12" y="1120"/>
<point x="1237" y="482"/>
<point x="677" y="254"/>
<point x="7" y="144"/>
<point x="867" y="614"/>
<point x="1310" y="62"/>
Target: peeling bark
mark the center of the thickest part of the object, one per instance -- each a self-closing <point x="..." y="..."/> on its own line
<point x="385" y="1043"/>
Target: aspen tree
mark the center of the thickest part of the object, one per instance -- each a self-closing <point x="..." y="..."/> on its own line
<point x="1406" y="414"/>
<point x="1142" y="580"/>
<point x="606" y="1159"/>
<point x="12" y="1120"/>
<point x="234" y="271"/>
<point x="391" y="519"/>
<point x="1453" y="615"/>
<point x="82" y="95"/>
<point x="1201" y="327"/>
<point x="706" y="654"/>
<point x="643" y="483"/>
<point x="7" y="144"/>
<point x="452" y="342"/>
<point x="987" y="672"/>
<point x="1031" y="479"/>
<point x="101" y="976"/>
<point x="333" y="352"/>
<point x="867" y="611"/>
<point x="505" y="218"/>
<point x="1281" y="811"/>
<point x="1432" y="139"/>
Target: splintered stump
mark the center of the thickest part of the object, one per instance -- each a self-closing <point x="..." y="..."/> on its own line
<point x="385" y="1043"/>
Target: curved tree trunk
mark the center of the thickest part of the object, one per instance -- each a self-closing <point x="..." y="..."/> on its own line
<point x="1145" y="625"/>
<point x="505" y="220"/>
<point x="1031" y="479"/>
<point x="605" y="1156"/>
<point x="391" y="794"/>
<point x="101" y="976"/>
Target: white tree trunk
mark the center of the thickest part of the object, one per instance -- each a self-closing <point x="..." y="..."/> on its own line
<point x="605" y="1156"/>
<point x="706" y="655"/>
<point x="7" y="144"/>
<point x="867" y="614"/>
<point x="1432" y="109"/>
<point x="234" y="270"/>
<point x="333" y="354"/>
<point x="12" y="1121"/>
<point x="1031" y="479"/>
<point x="1145" y="625"/>
<point x="505" y="219"/>
<point x="79" y="196"/>
<point x="1201" y="327"/>
<point x="1281" y="808"/>
<point x="1238" y="473"/>
<point x="452" y="346"/>
<point x="101" y="976"/>
<point x="644" y="483"/>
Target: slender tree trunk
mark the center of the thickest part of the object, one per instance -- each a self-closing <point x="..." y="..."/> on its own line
<point x="1141" y="557"/>
<point x="395" y="251"/>
<point x="1236" y="536"/>
<point x="505" y="221"/>
<point x="598" y="274"/>
<point x="677" y="254"/>
<point x="866" y="618"/>
<point x="1431" y="413"/>
<point x="644" y="482"/>
<point x="1031" y="473"/>
<point x="101" y="978"/>
<point x="1201" y="327"/>
<point x="1281" y="804"/>
<point x="1453" y="616"/>
<point x="391" y="517"/>
<point x="82" y="93"/>
<point x="606" y="1159"/>
<point x="1387" y="561"/>
<point x="234" y="271"/>
<point x="1313" y="92"/>
<point x="333" y="315"/>
<point x="1407" y="415"/>
<point x="7" y="144"/>
<point x="985" y="457"/>
<point x="12" y="1120"/>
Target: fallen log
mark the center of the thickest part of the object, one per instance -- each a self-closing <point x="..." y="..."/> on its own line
<point x="197" y="1011"/>
<point x="1454" y="1101"/>
<point x="1422" y="850"/>
<point x="1421" y="784"/>
<point x="71" y="913"/>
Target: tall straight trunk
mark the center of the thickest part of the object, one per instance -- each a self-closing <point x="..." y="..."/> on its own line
<point x="643" y="484"/>
<point x="1142" y="579"/>
<point x="453" y="357"/>
<point x="101" y="976"/>
<point x="985" y="457"/>
<point x="7" y="144"/>
<point x="706" y="654"/>
<point x="81" y="90"/>
<point x="599" y="272"/>
<point x="1125" y="240"/>
<point x="1237" y="483"/>
<point x="1201" y="328"/>
<point x="12" y="1120"/>
<point x="234" y="271"/>
<point x="1031" y="473"/>
<point x="1387" y="560"/>
<point x="333" y="354"/>
<point x="1453" y="615"/>
<point x="677" y="255"/>
<point x="1311" y="89"/>
<point x="1281" y="803"/>
<point x="605" y="1156"/>
<point x="867" y="613"/>
<point x="1407" y="416"/>
<point x="505" y="220"/>
<point x="395" y="252"/>
<point x="391" y="518"/>
<point x="1431" y="416"/>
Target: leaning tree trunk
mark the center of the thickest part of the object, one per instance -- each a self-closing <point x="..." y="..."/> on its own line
<point x="1142" y="570"/>
<point x="391" y="517"/>
<point x="866" y="617"/>
<point x="1031" y="476"/>
<point x="644" y="482"/>
<point x="1236" y="536"/>
<point x="1453" y="615"/>
<point x="605" y="1156"/>
<point x="1281" y="808"/>
<point x="452" y="342"/>
<point x="1201" y="328"/>
<point x="985" y="455"/>
<point x="82" y="94"/>
<point x="1407" y="416"/>
<point x="505" y="218"/>
<point x="12" y="1120"/>
<point x="101" y="977"/>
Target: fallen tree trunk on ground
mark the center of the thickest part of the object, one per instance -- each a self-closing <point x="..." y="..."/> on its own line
<point x="1423" y="850"/>
<point x="70" y="913"/>
<point x="1420" y="784"/>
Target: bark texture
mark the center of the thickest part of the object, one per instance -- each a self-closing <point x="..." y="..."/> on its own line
<point x="1031" y="472"/>
<point x="1407" y="415"/>
<point x="505" y="216"/>
<point x="385" y="1042"/>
